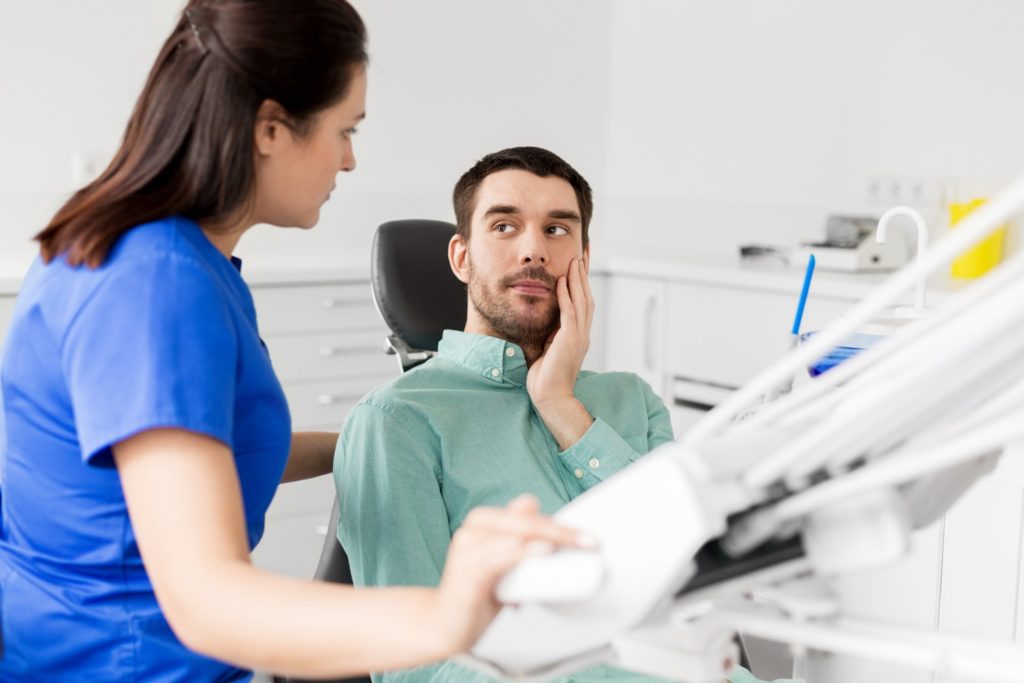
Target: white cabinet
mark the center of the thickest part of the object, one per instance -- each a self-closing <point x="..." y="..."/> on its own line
<point x="718" y="337"/>
<point x="326" y="342"/>
<point x="635" y="328"/>
<point x="697" y="338"/>
<point x="726" y="334"/>
<point x="597" y="355"/>
<point x="694" y="342"/>
<point x="292" y="545"/>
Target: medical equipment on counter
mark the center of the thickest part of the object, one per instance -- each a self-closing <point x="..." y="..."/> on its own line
<point x="850" y="247"/>
<point x="882" y="233"/>
<point x="742" y="525"/>
<point x="985" y="254"/>
<point x="876" y="329"/>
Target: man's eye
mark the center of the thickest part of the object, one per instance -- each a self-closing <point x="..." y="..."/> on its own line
<point x="349" y="132"/>
<point x="504" y="227"/>
<point x="557" y="230"/>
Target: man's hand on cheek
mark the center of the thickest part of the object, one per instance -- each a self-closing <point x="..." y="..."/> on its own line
<point x="552" y="377"/>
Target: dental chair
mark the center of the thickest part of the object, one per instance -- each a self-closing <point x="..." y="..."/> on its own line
<point x="418" y="297"/>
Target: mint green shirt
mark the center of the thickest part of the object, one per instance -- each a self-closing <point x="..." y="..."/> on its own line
<point x="460" y="431"/>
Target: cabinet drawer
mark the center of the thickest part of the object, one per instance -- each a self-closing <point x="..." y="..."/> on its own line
<point x="311" y="496"/>
<point x="325" y="403"/>
<point x="333" y="354"/>
<point x="317" y="307"/>
<point x="292" y="546"/>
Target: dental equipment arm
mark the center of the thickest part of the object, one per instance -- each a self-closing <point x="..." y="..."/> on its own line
<point x="830" y="479"/>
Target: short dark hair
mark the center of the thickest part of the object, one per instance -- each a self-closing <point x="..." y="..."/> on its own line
<point x="536" y="160"/>
<point x="188" y="148"/>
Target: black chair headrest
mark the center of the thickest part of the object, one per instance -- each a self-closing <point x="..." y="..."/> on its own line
<point x="413" y="285"/>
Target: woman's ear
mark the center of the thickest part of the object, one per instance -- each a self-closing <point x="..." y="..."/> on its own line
<point x="458" y="257"/>
<point x="270" y="127"/>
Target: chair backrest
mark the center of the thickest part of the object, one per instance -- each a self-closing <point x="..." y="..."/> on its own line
<point x="414" y="288"/>
<point x="418" y="297"/>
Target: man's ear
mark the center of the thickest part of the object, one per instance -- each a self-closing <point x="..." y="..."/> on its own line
<point x="270" y="127"/>
<point x="586" y="259"/>
<point x="458" y="257"/>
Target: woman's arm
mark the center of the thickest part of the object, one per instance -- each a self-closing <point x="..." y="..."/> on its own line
<point x="311" y="455"/>
<point x="185" y="506"/>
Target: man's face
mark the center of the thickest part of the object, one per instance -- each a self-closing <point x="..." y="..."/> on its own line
<point x="525" y="232"/>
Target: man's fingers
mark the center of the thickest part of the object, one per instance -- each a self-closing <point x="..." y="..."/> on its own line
<point x="580" y="299"/>
<point x="565" y="308"/>
<point x="585" y="277"/>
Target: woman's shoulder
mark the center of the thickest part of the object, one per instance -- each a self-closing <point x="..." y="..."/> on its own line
<point x="167" y="239"/>
<point x="154" y="265"/>
<point x="170" y="252"/>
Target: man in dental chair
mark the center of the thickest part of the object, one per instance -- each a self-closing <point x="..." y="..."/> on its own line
<point x="504" y="408"/>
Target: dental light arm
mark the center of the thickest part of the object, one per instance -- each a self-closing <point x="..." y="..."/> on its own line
<point x="830" y="479"/>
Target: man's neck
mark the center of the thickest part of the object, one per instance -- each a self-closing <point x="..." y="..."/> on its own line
<point x="531" y="350"/>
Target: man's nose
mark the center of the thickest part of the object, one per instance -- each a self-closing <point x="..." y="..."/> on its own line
<point x="534" y="248"/>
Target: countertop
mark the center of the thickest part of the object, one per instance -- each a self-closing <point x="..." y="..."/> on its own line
<point x="764" y="273"/>
<point x="715" y="268"/>
<point x="257" y="277"/>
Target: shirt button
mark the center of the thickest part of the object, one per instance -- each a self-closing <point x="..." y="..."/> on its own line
<point x="495" y="372"/>
<point x="510" y="352"/>
<point x="594" y="463"/>
<point x="578" y="473"/>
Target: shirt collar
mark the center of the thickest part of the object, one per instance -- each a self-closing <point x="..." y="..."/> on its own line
<point x="495" y="359"/>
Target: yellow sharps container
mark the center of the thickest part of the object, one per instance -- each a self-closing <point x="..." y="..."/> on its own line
<point x="984" y="255"/>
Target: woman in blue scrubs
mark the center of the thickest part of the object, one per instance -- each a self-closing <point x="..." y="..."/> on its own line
<point x="146" y="431"/>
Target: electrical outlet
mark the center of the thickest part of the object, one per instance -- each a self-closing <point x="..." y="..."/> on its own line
<point x="908" y="191"/>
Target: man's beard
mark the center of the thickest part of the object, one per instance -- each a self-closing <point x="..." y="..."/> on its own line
<point x="530" y="332"/>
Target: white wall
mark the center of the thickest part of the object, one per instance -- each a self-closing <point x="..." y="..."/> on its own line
<point x="699" y="124"/>
<point x="739" y="121"/>
<point x="69" y="75"/>
<point x="449" y="82"/>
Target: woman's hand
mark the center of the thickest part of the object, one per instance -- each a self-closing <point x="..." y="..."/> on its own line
<point x="489" y="543"/>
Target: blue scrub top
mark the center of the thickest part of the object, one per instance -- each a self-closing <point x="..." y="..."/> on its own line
<point x="163" y="334"/>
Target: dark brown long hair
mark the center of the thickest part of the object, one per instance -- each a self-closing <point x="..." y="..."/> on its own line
<point x="188" y="148"/>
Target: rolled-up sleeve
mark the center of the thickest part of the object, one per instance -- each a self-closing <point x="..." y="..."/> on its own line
<point x="602" y="451"/>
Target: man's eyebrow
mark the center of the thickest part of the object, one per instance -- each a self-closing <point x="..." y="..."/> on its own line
<point x="566" y="215"/>
<point x="501" y="208"/>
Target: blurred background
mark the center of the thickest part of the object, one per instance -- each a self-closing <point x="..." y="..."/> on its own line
<point x="700" y="125"/>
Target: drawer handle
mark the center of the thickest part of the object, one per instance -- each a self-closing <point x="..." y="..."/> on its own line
<point x="692" y="404"/>
<point x="321" y="530"/>
<point x="334" y="399"/>
<point x="649" y="340"/>
<point x="333" y="302"/>
<point x="328" y="351"/>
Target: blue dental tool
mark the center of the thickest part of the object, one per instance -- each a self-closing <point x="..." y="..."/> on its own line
<point x="803" y="297"/>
